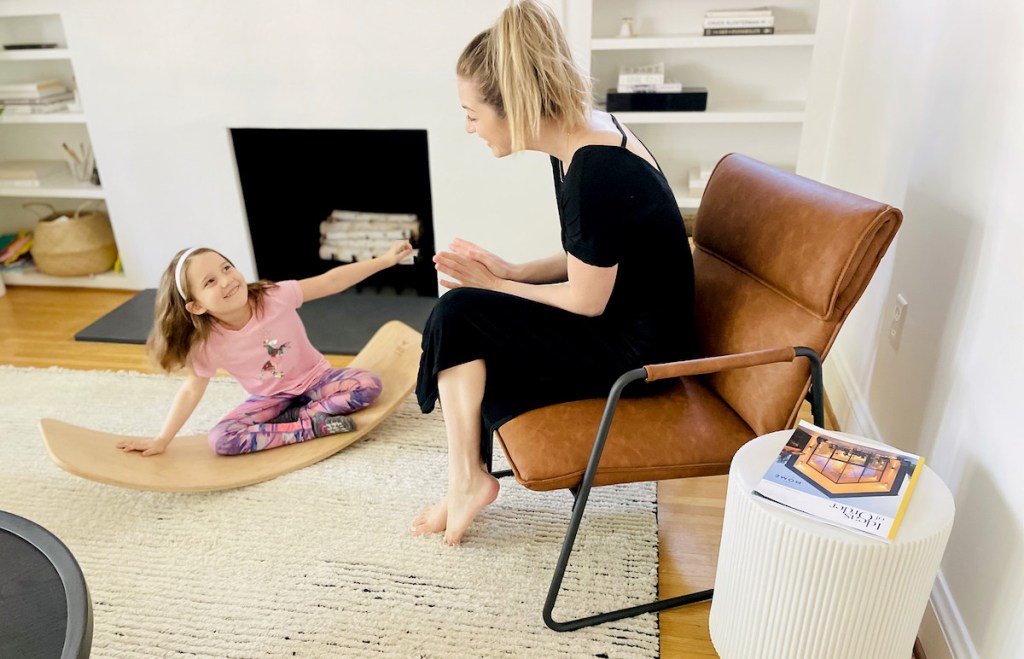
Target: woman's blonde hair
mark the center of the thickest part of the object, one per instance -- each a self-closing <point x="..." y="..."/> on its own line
<point x="522" y="66"/>
<point x="176" y="329"/>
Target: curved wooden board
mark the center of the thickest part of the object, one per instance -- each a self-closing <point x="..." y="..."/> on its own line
<point x="188" y="464"/>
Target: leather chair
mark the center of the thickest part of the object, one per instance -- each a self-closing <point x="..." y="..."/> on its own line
<point x="779" y="262"/>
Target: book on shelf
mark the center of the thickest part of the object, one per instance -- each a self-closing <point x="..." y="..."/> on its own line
<point x="851" y="483"/>
<point x="53" y="98"/>
<point x="29" y="173"/>
<point x="661" y="87"/>
<point x="33" y="108"/>
<point x="38" y="85"/>
<point x="31" y="94"/>
<point x="726" y="31"/>
<point x="734" y="13"/>
<point x="754" y="21"/>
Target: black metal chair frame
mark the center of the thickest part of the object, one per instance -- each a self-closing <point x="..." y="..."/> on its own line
<point x="582" y="492"/>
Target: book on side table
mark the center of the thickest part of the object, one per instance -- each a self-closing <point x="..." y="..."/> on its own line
<point x="851" y="483"/>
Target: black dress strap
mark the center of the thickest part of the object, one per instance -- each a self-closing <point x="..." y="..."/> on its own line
<point x="616" y="121"/>
<point x="623" y="145"/>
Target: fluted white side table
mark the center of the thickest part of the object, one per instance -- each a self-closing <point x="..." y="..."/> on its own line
<point x="788" y="586"/>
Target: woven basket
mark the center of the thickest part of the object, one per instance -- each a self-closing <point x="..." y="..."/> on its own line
<point x="73" y="243"/>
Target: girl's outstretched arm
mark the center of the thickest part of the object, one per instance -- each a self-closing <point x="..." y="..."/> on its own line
<point x="345" y="276"/>
<point x="185" y="401"/>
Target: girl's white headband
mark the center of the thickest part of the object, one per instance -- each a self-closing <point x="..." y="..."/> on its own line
<point x="178" y="268"/>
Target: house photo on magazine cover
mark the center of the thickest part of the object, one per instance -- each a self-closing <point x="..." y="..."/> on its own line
<point x="859" y="485"/>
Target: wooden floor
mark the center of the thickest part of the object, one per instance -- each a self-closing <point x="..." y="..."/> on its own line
<point x="37" y="328"/>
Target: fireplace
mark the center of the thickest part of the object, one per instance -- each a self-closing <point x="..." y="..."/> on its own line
<point x="317" y="198"/>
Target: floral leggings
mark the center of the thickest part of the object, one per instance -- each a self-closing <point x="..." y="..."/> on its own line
<point x="252" y="427"/>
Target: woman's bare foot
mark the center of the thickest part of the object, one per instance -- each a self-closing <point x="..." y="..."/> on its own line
<point x="431" y="520"/>
<point x="465" y="502"/>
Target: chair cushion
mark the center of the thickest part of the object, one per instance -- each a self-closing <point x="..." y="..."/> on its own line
<point x="685" y="432"/>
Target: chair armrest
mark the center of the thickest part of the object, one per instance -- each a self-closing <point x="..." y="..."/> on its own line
<point x="719" y="363"/>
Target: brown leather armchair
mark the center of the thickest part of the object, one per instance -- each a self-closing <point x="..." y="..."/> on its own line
<point x="779" y="261"/>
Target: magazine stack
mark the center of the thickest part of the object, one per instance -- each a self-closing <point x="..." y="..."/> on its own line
<point x="38" y="97"/>
<point x="851" y="483"/>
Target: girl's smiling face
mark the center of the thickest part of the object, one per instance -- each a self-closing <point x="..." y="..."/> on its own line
<point x="216" y="287"/>
<point x="484" y="120"/>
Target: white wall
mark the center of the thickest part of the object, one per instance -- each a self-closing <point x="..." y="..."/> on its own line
<point x="928" y="119"/>
<point x="162" y="82"/>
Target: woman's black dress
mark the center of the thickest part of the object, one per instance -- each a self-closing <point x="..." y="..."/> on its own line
<point x="614" y="208"/>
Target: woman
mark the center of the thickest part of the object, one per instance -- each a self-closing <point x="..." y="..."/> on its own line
<point x="514" y="337"/>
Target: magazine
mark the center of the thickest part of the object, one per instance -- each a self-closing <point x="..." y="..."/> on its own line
<point x="850" y="483"/>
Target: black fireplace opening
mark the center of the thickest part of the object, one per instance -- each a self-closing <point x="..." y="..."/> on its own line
<point x="318" y="198"/>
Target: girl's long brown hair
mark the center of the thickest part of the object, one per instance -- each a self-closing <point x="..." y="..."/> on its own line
<point x="523" y="67"/>
<point x="175" y="329"/>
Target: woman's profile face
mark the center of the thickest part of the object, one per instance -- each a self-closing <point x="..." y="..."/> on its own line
<point x="483" y="120"/>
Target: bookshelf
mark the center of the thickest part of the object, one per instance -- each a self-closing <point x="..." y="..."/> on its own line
<point x="759" y="86"/>
<point x="40" y="136"/>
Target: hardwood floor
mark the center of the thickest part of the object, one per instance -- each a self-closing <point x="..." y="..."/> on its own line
<point x="37" y="328"/>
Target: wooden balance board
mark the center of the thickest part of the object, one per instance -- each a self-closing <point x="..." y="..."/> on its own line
<point x="189" y="465"/>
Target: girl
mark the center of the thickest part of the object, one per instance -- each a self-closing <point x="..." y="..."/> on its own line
<point x="208" y="317"/>
<point x="619" y="294"/>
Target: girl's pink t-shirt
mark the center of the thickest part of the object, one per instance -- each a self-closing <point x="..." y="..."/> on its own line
<point x="272" y="354"/>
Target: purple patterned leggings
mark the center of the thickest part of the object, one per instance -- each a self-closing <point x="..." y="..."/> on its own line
<point x="250" y="426"/>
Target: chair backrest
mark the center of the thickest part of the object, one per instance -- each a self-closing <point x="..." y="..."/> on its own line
<point x="779" y="260"/>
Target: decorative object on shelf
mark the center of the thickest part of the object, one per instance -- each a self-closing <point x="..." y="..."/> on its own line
<point x="73" y="243"/>
<point x="727" y="22"/>
<point x="81" y="163"/>
<point x="626" y="29"/>
<point x="688" y="99"/>
<point x="698" y="179"/>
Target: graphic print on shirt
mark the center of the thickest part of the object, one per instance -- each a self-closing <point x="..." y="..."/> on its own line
<point x="274" y="350"/>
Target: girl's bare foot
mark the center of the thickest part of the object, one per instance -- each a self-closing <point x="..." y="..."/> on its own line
<point x="431" y="520"/>
<point x="465" y="502"/>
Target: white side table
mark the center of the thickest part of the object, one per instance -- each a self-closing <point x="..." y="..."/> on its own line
<point x="3" y="289"/>
<point x="789" y="586"/>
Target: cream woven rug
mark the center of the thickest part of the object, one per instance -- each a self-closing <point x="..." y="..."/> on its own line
<point x="318" y="563"/>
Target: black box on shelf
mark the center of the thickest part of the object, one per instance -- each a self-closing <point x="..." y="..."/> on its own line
<point x="690" y="99"/>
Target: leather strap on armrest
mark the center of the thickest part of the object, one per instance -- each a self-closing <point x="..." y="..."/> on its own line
<point x="721" y="363"/>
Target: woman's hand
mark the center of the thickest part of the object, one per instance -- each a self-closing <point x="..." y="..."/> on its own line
<point x="466" y="271"/>
<point x="147" y="446"/>
<point x="398" y="251"/>
<point x="498" y="266"/>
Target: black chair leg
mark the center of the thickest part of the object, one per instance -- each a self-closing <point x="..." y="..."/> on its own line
<point x="487" y="450"/>
<point x="581" y="494"/>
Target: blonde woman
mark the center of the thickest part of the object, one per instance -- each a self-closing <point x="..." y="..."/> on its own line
<point x="508" y="338"/>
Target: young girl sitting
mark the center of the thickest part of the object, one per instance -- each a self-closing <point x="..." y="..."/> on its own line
<point x="208" y="317"/>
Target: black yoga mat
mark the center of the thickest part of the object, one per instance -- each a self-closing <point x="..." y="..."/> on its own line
<point x="337" y="325"/>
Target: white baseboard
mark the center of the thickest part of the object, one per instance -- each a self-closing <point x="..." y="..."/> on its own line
<point x="951" y="638"/>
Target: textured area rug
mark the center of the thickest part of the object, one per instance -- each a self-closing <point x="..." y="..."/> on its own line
<point x="318" y="562"/>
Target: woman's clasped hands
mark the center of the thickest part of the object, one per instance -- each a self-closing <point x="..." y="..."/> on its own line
<point x="471" y="266"/>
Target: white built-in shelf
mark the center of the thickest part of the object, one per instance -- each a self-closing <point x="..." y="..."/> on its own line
<point x="63" y="187"/>
<point x="34" y="54"/>
<point x="763" y="112"/>
<point x="52" y="118"/>
<point x="700" y="41"/>
<point x="31" y="277"/>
